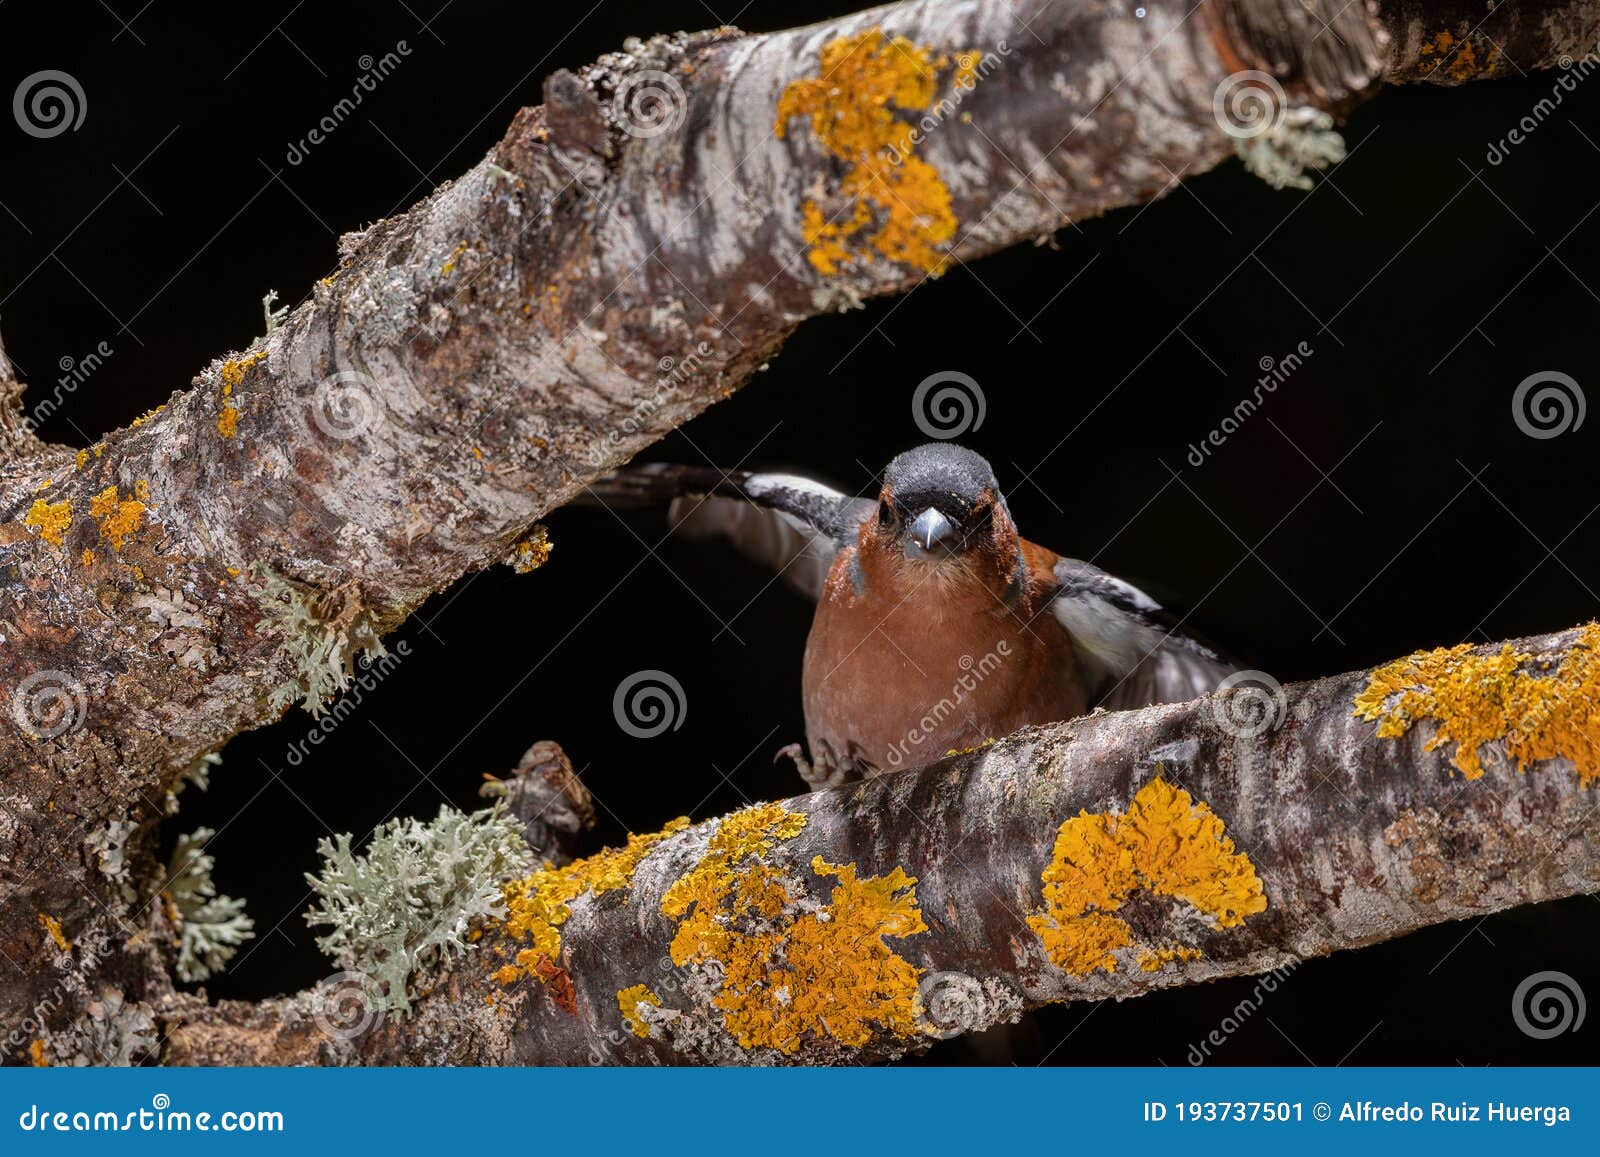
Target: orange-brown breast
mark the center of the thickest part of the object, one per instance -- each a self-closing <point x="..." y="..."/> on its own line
<point x="909" y="659"/>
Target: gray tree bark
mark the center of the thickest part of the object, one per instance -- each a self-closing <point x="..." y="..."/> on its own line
<point x="630" y="252"/>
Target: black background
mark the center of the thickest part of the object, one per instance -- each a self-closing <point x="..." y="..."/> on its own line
<point x="1428" y="283"/>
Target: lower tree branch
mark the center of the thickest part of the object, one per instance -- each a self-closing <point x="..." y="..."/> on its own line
<point x="1264" y="826"/>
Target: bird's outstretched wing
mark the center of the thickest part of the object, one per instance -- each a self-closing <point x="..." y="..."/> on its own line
<point x="1132" y="652"/>
<point x="791" y="524"/>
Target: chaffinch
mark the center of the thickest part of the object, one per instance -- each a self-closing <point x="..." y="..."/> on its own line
<point x="937" y="626"/>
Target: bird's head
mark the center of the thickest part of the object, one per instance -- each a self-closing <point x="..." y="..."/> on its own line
<point x="939" y="502"/>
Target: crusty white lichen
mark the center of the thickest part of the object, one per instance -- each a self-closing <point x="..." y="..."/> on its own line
<point x="320" y="633"/>
<point x="412" y="896"/>
<point x="210" y="927"/>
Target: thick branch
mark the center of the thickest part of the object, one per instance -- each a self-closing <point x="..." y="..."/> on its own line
<point x="1355" y="839"/>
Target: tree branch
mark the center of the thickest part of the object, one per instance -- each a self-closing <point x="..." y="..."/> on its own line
<point x="1352" y="839"/>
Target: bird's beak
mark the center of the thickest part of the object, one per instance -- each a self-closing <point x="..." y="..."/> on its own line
<point x="931" y="532"/>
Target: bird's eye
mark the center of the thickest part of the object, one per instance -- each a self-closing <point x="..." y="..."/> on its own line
<point x="885" y="514"/>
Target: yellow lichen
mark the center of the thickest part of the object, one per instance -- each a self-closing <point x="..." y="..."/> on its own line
<point x="53" y="926"/>
<point x="234" y="370"/>
<point x="449" y="265"/>
<point x="118" y="517"/>
<point x="1550" y="713"/>
<point x="228" y="421"/>
<point x="537" y="905"/>
<point x="36" y="1054"/>
<point x="1157" y="958"/>
<point x="889" y="200"/>
<point x="1165" y="843"/>
<point x="789" y="972"/>
<point x="50" y="519"/>
<point x="532" y="552"/>
<point x="629" y="999"/>
<point x="83" y="456"/>
<point x="87" y="558"/>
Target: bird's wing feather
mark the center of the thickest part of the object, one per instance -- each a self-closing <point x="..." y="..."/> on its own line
<point x="1132" y="652"/>
<point x="793" y="525"/>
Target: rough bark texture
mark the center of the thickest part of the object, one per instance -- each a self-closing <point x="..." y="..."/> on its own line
<point x="602" y="276"/>
<point x="1355" y="838"/>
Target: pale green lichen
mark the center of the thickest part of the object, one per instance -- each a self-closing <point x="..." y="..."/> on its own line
<point x="413" y="896"/>
<point x="320" y="632"/>
<point x="211" y="927"/>
<point x="1303" y="139"/>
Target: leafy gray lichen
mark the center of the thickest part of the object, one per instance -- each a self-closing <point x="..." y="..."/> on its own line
<point x="321" y="634"/>
<point x="210" y="927"/>
<point x="112" y="1031"/>
<point x="1303" y="138"/>
<point x="410" y="897"/>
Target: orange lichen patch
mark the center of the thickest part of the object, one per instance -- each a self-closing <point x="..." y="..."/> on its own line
<point x="1551" y="713"/>
<point x="53" y="926"/>
<point x="228" y="421"/>
<point x="87" y="558"/>
<point x="449" y="265"/>
<point x="83" y="457"/>
<point x="147" y="415"/>
<point x="889" y="201"/>
<point x="537" y="905"/>
<point x="790" y="972"/>
<point x="532" y="552"/>
<point x="50" y="519"/>
<point x="1166" y="844"/>
<point x="36" y="1054"/>
<point x="234" y="370"/>
<point x="1156" y="959"/>
<point x="629" y="999"/>
<point x="118" y="517"/>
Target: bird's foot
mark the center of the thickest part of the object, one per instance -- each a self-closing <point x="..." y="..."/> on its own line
<point x="817" y="775"/>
